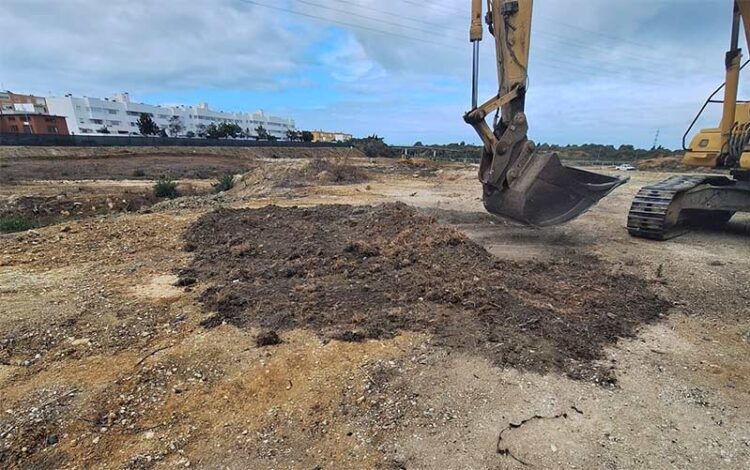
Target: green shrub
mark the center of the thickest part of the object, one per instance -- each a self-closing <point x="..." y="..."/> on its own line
<point x="165" y="187"/>
<point x="17" y="223"/>
<point x="225" y="183"/>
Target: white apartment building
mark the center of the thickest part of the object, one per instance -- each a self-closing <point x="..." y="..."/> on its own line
<point x="119" y="115"/>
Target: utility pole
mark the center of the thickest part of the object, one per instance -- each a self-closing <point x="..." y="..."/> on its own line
<point x="656" y="139"/>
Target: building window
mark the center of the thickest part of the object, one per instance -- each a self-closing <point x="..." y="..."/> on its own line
<point x="49" y="119"/>
<point x="112" y="111"/>
<point x="96" y="121"/>
<point x="52" y="129"/>
<point x="14" y="129"/>
<point x="11" y="118"/>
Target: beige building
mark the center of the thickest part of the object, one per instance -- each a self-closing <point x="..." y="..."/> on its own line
<point x="323" y="136"/>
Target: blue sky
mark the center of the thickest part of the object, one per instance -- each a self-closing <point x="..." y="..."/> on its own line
<point x="602" y="71"/>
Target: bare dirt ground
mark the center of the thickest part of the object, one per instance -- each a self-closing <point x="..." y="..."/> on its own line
<point x="132" y="340"/>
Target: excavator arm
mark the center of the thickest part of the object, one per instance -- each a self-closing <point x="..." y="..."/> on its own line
<point x="518" y="182"/>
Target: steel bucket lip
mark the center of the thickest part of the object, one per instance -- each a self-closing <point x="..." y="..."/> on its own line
<point x="587" y="195"/>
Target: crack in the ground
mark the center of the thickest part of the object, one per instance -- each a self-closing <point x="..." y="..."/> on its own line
<point x="506" y="452"/>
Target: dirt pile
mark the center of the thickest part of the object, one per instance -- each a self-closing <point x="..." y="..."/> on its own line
<point x="296" y="174"/>
<point x="355" y="273"/>
<point x="283" y="178"/>
<point x="661" y="164"/>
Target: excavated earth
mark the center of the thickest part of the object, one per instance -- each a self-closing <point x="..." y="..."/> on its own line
<point x="356" y="273"/>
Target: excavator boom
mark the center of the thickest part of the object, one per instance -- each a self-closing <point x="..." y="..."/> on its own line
<point x="518" y="182"/>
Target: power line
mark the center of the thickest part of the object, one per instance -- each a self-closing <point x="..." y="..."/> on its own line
<point x="647" y="67"/>
<point x="589" y="69"/>
<point x="424" y="3"/>
<point x="371" y="18"/>
<point x="344" y="23"/>
<point x="390" y="13"/>
<point x="618" y="39"/>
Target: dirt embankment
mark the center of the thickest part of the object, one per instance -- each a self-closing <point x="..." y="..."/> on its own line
<point x="43" y="163"/>
<point x="354" y="273"/>
<point x="23" y="212"/>
<point x="661" y="164"/>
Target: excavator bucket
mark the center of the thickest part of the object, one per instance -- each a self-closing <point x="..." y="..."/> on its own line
<point x="543" y="192"/>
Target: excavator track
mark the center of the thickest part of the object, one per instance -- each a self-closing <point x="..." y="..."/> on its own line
<point x="648" y="213"/>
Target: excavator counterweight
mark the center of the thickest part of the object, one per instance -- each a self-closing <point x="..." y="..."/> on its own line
<point x="518" y="182"/>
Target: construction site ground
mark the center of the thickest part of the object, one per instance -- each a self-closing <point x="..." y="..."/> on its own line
<point x="333" y="311"/>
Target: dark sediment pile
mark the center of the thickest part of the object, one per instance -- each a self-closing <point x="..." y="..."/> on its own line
<point x="357" y="273"/>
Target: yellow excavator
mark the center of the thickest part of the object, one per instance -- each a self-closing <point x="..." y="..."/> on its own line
<point x="537" y="189"/>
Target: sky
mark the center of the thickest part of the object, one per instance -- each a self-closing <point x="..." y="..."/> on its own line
<point x="601" y="71"/>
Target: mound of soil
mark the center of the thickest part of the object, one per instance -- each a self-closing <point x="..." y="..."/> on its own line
<point x="355" y="273"/>
<point x="322" y="171"/>
<point x="22" y="213"/>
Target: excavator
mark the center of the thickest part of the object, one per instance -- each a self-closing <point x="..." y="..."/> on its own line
<point x="534" y="188"/>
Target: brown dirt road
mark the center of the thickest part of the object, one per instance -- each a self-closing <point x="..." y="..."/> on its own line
<point x="104" y="361"/>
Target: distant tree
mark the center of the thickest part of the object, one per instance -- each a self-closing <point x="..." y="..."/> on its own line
<point x="190" y="134"/>
<point x="146" y="125"/>
<point x="228" y="129"/>
<point x="175" y="126"/>
<point x="293" y="135"/>
<point x="201" y="131"/>
<point x="163" y="133"/>
<point x="261" y="133"/>
<point x="212" y="132"/>
<point x="103" y="130"/>
<point x="374" y="146"/>
<point x="272" y="138"/>
<point x="418" y="144"/>
<point x="306" y="136"/>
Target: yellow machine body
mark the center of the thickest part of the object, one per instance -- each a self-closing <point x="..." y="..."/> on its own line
<point x="706" y="148"/>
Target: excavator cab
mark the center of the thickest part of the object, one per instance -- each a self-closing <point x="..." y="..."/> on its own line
<point x="520" y="183"/>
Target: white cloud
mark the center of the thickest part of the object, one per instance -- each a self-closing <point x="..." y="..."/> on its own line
<point x="349" y="63"/>
<point x="141" y="45"/>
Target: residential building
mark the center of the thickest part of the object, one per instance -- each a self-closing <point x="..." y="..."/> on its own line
<point x="32" y="123"/>
<point x="323" y="136"/>
<point x="12" y="102"/>
<point x="119" y="116"/>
